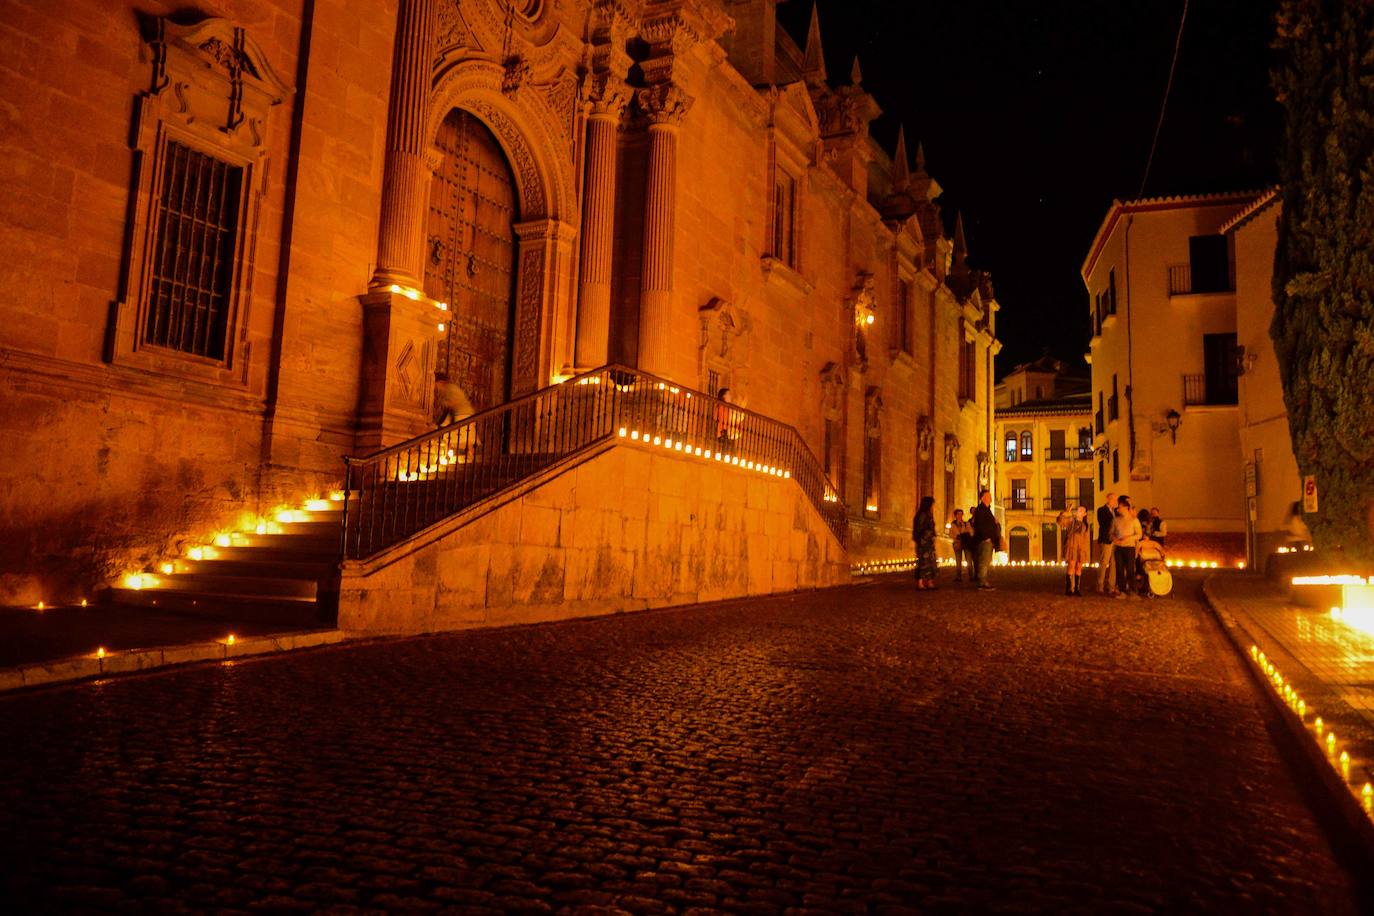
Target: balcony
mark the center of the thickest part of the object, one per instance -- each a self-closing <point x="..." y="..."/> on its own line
<point x="1181" y="282"/>
<point x="1059" y="503"/>
<point x="1202" y="390"/>
<point x="1069" y="453"/>
<point x="1019" y="504"/>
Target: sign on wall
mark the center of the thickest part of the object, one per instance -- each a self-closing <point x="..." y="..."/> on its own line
<point x="1309" y="494"/>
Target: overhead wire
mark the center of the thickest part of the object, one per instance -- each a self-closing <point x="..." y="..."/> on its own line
<point x="1164" y="103"/>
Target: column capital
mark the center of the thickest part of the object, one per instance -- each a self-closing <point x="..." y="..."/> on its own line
<point x="607" y="95"/>
<point x="664" y="104"/>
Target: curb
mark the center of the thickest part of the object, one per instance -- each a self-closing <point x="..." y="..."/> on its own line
<point x="1341" y="804"/>
<point x="135" y="661"/>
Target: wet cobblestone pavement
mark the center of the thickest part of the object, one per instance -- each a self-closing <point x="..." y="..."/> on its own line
<point x="865" y="749"/>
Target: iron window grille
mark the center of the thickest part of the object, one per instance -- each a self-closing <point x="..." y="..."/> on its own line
<point x="192" y="268"/>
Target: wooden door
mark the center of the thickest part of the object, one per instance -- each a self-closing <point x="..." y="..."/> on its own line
<point x="471" y="257"/>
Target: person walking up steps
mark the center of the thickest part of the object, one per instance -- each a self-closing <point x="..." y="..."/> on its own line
<point x="1106" y="513"/>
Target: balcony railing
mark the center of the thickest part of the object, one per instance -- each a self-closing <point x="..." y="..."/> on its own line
<point x="397" y="492"/>
<point x="1019" y="503"/>
<point x="1181" y="282"/>
<point x="1198" y="390"/>
<point x="1068" y="453"/>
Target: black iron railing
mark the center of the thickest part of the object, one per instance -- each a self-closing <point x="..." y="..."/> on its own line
<point x="1068" y="452"/>
<point x="1019" y="503"/>
<point x="398" y="492"/>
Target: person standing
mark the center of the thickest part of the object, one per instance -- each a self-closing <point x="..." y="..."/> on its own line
<point x="923" y="533"/>
<point x="1159" y="529"/>
<point x="1125" y="537"/>
<point x="987" y="534"/>
<point x="1078" y="542"/>
<point x="959" y="533"/>
<point x="1106" y="514"/>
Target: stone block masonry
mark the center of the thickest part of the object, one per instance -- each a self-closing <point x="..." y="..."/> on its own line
<point x="627" y="529"/>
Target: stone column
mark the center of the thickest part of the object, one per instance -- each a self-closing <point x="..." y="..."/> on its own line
<point x="598" y="227"/>
<point x="406" y="175"/>
<point x="400" y="329"/>
<point x="665" y="105"/>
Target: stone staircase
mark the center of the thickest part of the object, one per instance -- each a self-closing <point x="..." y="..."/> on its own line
<point x="284" y="570"/>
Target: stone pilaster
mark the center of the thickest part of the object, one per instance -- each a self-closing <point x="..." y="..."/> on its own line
<point x="400" y="343"/>
<point x="598" y="223"/>
<point x="406" y="175"/>
<point x="665" y="105"/>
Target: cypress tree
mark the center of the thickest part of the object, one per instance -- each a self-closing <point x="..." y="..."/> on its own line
<point x="1323" y="326"/>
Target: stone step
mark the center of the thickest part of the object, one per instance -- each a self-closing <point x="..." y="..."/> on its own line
<point x="310" y="567"/>
<point x="220" y="584"/>
<point x="275" y="553"/>
<point x="320" y="544"/>
<point x="314" y="528"/>
<point x="304" y="613"/>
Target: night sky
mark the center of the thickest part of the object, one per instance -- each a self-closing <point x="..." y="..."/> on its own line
<point x="1036" y="115"/>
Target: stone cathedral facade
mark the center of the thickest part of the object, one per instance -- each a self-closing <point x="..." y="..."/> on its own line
<point x="230" y="229"/>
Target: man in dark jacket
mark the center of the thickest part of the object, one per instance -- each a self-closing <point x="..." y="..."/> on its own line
<point x="1106" y="513"/>
<point x="987" y="534"/>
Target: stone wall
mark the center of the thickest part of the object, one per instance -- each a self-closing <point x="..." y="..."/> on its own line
<point x="105" y="459"/>
<point x="626" y="529"/>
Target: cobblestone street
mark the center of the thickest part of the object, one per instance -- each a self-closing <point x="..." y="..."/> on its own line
<point x="859" y="749"/>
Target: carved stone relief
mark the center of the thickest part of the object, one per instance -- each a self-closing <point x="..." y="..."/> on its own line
<point x="863" y="304"/>
<point x="832" y="391"/>
<point x="925" y="438"/>
<point x="723" y="346"/>
<point x="984" y="471"/>
<point x="873" y="411"/>
<point x="951" y="451"/>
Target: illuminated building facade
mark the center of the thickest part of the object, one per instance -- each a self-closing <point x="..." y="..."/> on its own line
<point x="1187" y="411"/>
<point x="1045" y="461"/>
<point x="246" y="242"/>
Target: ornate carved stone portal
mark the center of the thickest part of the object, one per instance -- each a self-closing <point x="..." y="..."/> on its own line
<point x="723" y="352"/>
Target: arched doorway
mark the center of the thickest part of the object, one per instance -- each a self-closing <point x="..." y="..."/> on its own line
<point x="470" y="257"/>
<point x="1049" y="542"/>
<point x="1018" y="545"/>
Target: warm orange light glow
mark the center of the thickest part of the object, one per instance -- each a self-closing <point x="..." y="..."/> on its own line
<point x="230" y="639"/>
<point x="1329" y="580"/>
<point x="100" y="652"/>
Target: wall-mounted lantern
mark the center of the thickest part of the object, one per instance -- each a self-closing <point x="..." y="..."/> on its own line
<point x="1173" y="418"/>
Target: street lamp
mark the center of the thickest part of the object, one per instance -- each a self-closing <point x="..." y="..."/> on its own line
<point x="1173" y="418"/>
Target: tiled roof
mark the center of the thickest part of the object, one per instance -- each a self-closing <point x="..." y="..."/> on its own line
<point x="1260" y="204"/>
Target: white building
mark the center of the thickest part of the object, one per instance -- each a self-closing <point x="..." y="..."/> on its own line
<point x="1164" y="354"/>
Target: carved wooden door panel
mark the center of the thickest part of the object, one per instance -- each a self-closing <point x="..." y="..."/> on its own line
<point x="470" y="260"/>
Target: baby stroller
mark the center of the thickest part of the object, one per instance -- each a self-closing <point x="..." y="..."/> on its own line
<point x="1157" y="580"/>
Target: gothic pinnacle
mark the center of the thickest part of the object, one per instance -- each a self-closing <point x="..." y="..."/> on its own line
<point x="813" y="58"/>
<point x="901" y="171"/>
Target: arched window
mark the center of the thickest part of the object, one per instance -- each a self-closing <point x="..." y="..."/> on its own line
<point x="1011" y="446"/>
<point x="1027" y="447"/>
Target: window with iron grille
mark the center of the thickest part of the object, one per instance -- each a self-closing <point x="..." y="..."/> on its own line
<point x="191" y="271"/>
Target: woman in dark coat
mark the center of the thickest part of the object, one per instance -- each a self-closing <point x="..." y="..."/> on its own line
<point x="923" y="533"/>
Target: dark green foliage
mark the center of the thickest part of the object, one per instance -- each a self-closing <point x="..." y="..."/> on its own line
<point x="1323" y="326"/>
